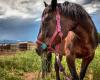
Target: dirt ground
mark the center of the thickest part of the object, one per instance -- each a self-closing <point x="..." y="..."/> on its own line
<point x="32" y="76"/>
<point x="6" y="52"/>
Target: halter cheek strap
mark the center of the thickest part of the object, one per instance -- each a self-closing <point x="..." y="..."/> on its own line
<point x="58" y="29"/>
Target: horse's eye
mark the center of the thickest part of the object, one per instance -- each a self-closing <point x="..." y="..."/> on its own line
<point x="48" y="18"/>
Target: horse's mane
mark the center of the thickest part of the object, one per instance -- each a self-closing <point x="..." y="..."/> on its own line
<point x="73" y="10"/>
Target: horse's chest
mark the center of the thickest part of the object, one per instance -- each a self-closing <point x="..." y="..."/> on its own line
<point x="66" y="44"/>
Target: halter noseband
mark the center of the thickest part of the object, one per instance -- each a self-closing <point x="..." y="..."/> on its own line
<point x="57" y="32"/>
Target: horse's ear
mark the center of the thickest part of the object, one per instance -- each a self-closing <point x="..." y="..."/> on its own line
<point x="53" y="4"/>
<point x="45" y="4"/>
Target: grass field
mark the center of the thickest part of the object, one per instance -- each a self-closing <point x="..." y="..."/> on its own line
<point x="27" y="65"/>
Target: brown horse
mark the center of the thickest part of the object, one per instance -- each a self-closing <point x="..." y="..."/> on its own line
<point x="79" y="39"/>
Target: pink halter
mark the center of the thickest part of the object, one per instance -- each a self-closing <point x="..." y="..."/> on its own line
<point x="57" y="32"/>
<point x="58" y="29"/>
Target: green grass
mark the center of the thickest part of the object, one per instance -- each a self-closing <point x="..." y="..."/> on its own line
<point x="13" y="67"/>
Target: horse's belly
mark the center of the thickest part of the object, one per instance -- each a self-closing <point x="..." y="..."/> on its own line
<point x="81" y="51"/>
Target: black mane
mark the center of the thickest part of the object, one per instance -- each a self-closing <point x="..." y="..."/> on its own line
<point x="73" y="10"/>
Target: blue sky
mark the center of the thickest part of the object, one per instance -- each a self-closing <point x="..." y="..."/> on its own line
<point x="96" y="19"/>
<point x="16" y="28"/>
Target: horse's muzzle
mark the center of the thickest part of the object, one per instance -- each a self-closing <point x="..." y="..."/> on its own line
<point x="39" y="50"/>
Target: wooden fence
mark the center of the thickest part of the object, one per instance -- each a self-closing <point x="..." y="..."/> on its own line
<point x="21" y="46"/>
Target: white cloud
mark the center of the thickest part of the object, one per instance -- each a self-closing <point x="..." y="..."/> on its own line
<point x="31" y="8"/>
<point x="24" y="10"/>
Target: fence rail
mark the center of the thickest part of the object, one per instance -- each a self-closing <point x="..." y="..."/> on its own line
<point x="16" y="47"/>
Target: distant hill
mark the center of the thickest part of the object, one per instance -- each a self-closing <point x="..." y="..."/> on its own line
<point x="11" y="41"/>
<point x="8" y="41"/>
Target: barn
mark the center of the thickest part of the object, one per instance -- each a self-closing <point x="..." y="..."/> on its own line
<point x="5" y="47"/>
<point x="19" y="46"/>
<point x="23" y="46"/>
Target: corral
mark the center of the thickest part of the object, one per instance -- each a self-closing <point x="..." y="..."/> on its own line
<point x="12" y="48"/>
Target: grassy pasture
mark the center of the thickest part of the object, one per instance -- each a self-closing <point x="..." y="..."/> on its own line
<point x="27" y="65"/>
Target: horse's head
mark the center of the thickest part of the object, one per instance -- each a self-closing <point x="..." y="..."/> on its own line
<point x="50" y="20"/>
<point x="47" y="26"/>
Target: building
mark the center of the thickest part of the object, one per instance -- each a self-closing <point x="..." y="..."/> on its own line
<point x="23" y="46"/>
<point x="20" y="46"/>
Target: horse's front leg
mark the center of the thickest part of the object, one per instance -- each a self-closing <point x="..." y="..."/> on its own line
<point x="57" y="68"/>
<point x="85" y="63"/>
<point x="71" y="64"/>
